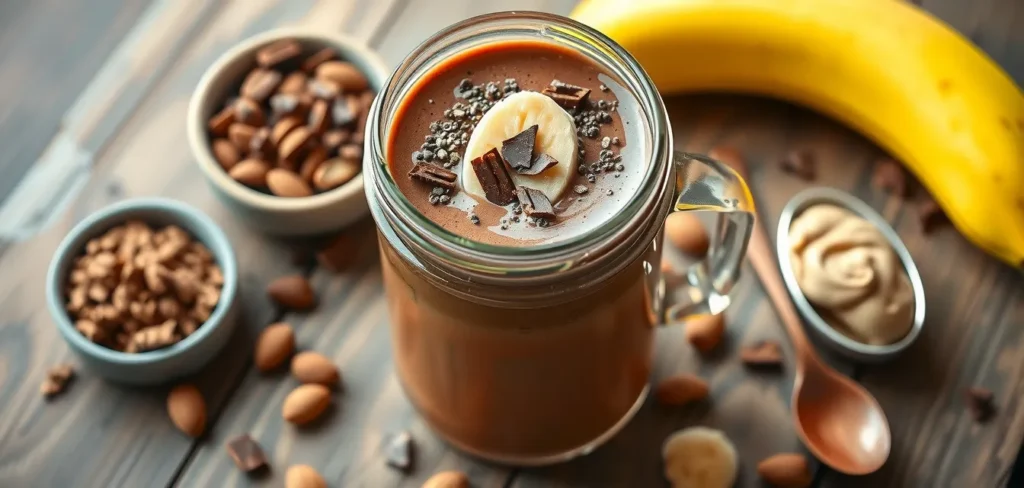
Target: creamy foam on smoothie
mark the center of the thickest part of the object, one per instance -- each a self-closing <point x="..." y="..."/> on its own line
<point x="445" y="122"/>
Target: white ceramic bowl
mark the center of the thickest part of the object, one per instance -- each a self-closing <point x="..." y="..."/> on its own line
<point x="836" y="340"/>
<point x="320" y="213"/>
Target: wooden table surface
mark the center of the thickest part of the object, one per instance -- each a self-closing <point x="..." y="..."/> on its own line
<point x="93" y="96"/>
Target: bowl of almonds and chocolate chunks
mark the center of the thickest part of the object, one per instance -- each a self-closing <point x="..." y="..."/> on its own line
<point x="144" y="291"/>
<point x="277" y="126"/>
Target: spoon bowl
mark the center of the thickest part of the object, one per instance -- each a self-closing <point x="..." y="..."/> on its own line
<point x="840" y="422"/>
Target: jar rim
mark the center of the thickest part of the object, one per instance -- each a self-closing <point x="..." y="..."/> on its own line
<point x="493" y="259"/>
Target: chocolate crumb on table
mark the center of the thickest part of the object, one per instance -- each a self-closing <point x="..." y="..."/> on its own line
<point x="57" y="379"/>
<point x="980" y="403"/>
<point x="246" y="453"/>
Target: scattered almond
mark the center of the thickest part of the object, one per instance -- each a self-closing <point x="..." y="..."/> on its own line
<point x="686" y="232"/>
<point x="303" y="476"/>
<point x="787" y="470"/>
<point x="681" y="389"/>
<point x="705" y="332"/>
<point x="305" y="403"/>
<point x="292" y="292"/>
<point x="285" y="183"/>
<point x="225" y="153"/>
<point x="187" y="409"/>
<point x="313" y="367"/>
<point x="447" y="479"/>
<point x="274" y="346"/>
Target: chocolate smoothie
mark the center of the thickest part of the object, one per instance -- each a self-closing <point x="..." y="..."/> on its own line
<point x="521" y="384"/>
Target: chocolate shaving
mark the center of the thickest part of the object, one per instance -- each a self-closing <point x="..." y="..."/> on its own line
<point x="494" y="178"/>
<point x="799" y="164"/>
<point x="398" y="451"/>
<point x="434" y="175"/>
<point x="889" y="177"/>
<point x="540" y="163"/>
<point x="569" y="97"/>
<point x="764" y="354"/>
<point x="57" y="378"/>
<point x="980" y="403"/>
<point x="535" y="203"/>
<point x="247" y="453"/>
<point x="518" y="149"/>
<point x="930" y="214"/>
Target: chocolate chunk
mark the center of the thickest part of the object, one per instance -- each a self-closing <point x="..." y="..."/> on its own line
<point x="764" y="354"/>
<point x="799" y="164"/>
<point x="518" y="150"/>
<point x="398" y="451"/>
<point x="980" y="403"/>
<point x="930" y="214"/>
<point x="494" y="178"/>
<point x="540" y="163"/>
<point x="433" y="175"/>
<point x="57" y="378"/>
<point x="569" y="97"/>
<point x="278" y="52"/>
<point x="247" y="453"/>
<point x="535" y="203"/>
<point x="889" y="177"/>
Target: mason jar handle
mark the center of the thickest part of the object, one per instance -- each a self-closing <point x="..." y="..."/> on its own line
<point x="704" y="184"/>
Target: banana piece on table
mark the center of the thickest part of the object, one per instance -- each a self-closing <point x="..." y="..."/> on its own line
<point x="699" y="457"/>
<point x="556" y="136"/>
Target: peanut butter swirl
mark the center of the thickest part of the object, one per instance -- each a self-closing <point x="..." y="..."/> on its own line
<point x="847" y="269"/>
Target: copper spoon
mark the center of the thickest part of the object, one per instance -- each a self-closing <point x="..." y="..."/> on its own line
<point x="836" y="418"/>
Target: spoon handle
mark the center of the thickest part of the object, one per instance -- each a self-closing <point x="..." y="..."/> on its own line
<point x="762" y="257"/>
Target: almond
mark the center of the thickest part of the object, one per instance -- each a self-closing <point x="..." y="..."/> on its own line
<point x="786" y="470"/>
<point x="274" y="346"/>
<point x="294" y="142"/>
<point x="284" y="183"/>
<point x="447" y="479"/>
<point x="344" y="74"/>
<point x="250" y="172"/>
<point x="241" y="135"/>
<point x="303" y="476"/>
<point x="292" y="291"/>
<point x="312" y="367"/>
<point x="705" y="332"/>
<point x="225" y="153"/>
<point x="681" y="389"/>
<point x="305" y="403"/>
<point x="283" y="127"/>
<point x="686" y="232"/>
<point x="316" y="156"/>
<point x="334" y="173"/>
<point x="294" y="83"/>
<point x="187" y="409"/>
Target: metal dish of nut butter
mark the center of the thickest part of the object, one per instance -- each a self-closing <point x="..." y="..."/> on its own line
<point x="823" y="324"/>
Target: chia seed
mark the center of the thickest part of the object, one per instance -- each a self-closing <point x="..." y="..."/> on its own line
<point x="592" y="132"/>
<point x="605" y="154"/>
<point x="591" y="178"/>
<point x="605" y="142"/>
<point x="434" y="199"/>
<point x="417" y="156"/>
<point x="442" y="154"/>
<point x="504" y="226"/>
<point x="518" y="209"/>
<point x="610" y="193"/>
<point x="601" y="104"/>
<point x="615" y="140"/>
<point x="580" y="189"/>
<point x="428" y="155"/>
<point x="581" y="169"/>
<point x="444" y="198"/>
<point x="474" y="219"/>
<point x="437" y="191"/>
<point x="602" y="87"/>
<point x="620" y="167"/>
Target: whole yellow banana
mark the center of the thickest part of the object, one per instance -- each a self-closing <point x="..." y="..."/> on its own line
<point x="886" y="68"/>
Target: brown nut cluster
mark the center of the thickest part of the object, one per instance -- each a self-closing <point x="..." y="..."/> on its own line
<point x="297" y="125"/>
<point x="137" y="289"/>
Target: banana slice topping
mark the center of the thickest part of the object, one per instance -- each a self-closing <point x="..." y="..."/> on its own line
<point x="554" y="153"/>
<point x="699" y="457"/>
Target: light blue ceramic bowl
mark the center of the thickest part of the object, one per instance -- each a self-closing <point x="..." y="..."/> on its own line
<point x="162" y="365"/>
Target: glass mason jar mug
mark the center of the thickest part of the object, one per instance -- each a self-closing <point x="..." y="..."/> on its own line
<point x="533" y="355"/>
